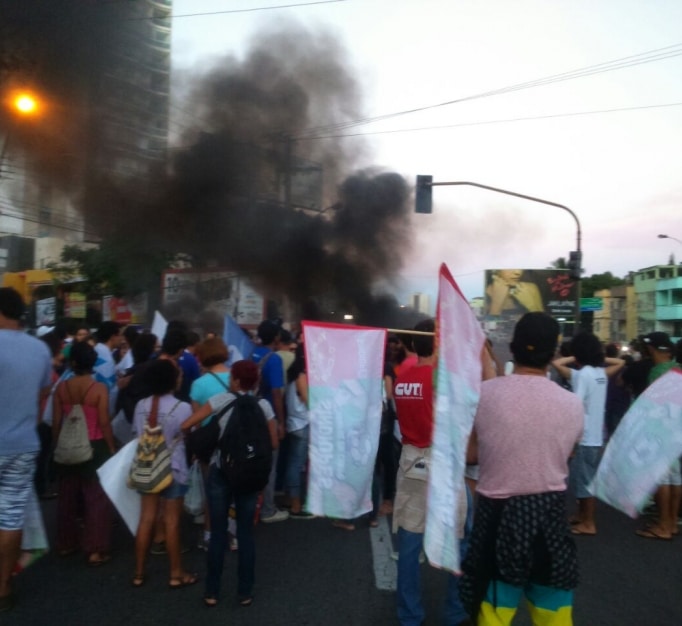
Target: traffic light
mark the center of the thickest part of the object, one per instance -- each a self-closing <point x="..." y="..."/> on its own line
<point x="423" y="194"/>
<point x="575" y="258"/>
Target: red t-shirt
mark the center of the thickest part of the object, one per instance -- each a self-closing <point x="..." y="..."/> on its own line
<point x="413" y="394"/>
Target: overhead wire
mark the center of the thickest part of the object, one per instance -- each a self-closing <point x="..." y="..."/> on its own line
<point x="607" y="66"/>
<point x="500" y="121"/>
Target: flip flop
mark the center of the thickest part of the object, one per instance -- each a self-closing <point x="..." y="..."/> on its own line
<point x="577" y="531"/>
<point x="104" y="558"/>
<point x="649" y="533"/>
<point x="210" y="601"/>
<point x="186" y="580"/>
<point x="246" y="601"/>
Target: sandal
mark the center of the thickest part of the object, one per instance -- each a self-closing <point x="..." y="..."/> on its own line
<point x="246" y="601"/>
<point x="138" y="580"/>
<point x="100" y="558"/>
<point x="210" y="601"/>
<point x="186" y="580"/>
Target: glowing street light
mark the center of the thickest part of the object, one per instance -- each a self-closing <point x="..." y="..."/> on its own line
<point x="25" y="104"/>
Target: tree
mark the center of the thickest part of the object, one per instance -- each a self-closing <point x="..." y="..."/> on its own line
<point x="558" y="264"/>
<point x="123" y="266"/>
<point x="597" y="282"/>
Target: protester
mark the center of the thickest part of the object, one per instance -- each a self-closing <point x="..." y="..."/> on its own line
<point x="108" y="340"/>
<point x="589" y="383"/>
<point x="271" y="388"/>
<point x="414" y="403"/>
<point x="79" y="492"/>
<point x="524" y="431"/>
<point x="668" y="496"/>
<point x="298" y="433"/>
<point x="212" y="354"/>
<point x="189" y="364"/>
<point x="220" y="494"/>
<point x="24" y="381"/>
<point x="164" y="409"/>
<point x="385" y="467"/>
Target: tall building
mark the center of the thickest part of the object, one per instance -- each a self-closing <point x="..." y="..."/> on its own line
<point x="134" y="93"/>
<point x="123" y="102"/>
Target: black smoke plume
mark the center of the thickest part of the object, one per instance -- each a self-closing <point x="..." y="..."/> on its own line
<point x="242" y="129"/>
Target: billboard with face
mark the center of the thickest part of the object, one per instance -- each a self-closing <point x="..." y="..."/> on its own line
<point x="509" y="293"/>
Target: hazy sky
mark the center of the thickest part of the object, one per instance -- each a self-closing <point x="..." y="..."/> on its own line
<point x="619" y="170"/>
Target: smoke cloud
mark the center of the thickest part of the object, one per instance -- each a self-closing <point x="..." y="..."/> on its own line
<point x="243" y="131"/>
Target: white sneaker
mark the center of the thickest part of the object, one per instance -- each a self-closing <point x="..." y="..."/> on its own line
<point x="277" y="516"/>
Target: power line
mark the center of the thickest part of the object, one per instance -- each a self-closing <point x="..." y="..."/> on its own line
<point x="251" y="10"/>
<point x="624" y="62"/>
<point x="502" y="121"/>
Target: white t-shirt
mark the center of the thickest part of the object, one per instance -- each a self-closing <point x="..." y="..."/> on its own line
<point x="590" y="384"/>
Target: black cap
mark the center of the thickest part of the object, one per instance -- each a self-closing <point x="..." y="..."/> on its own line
<point x="658" y="341"/>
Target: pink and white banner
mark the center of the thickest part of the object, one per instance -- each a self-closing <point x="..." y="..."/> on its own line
<point x="459" y="342"/>
<point x="647" y="442"/>
<point x="345" y="378"/>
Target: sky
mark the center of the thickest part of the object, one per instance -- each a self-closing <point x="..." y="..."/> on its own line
<point x="618" y="170"/>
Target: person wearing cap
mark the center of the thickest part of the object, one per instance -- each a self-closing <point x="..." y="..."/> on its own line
<point x="524" y="431"/>
<point x="589" y="382"/>
<point x="23" y="381"/>
<point x="668" y="496"/>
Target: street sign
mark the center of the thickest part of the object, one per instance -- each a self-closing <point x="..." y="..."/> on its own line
<point x="591" y="304"/>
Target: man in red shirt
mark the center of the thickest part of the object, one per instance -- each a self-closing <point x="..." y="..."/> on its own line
<point x="414" y="405"/>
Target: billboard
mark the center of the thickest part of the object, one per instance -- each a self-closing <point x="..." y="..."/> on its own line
<point x="510" y="293"/>
<point x="224" y="291"/>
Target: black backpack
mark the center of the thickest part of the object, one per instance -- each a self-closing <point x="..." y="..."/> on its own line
<point x="245" y="447"/>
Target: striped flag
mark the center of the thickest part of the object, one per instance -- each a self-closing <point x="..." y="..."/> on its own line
<point x="459" y="342"/>
<point x="345" y="377"/>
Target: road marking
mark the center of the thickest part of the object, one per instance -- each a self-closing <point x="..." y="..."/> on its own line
<point x="385" y="570"/>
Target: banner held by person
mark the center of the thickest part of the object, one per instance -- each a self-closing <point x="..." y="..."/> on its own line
<point x="345" y="376"/>
<point x="646" y="443"/>
<point x="459" y="342"/>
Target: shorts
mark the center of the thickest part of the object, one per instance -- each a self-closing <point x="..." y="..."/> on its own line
<point x="674" y="475"/>
<point x="16" y="482"/>
<point x="175" y="491"/>
<point x="583" y="469"/>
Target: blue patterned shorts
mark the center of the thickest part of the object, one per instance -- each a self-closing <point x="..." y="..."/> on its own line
<point x="16" y="482"/>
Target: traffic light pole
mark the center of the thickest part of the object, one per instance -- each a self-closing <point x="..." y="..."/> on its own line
<point x="424" y="181"/>
<point x="578" y="239"/>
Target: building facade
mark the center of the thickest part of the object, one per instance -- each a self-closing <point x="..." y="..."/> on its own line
<point x="658" y="291"/>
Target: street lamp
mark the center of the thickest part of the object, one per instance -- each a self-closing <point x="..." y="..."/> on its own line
<point x="23" y="104"/>
<point x="669" y="237"/>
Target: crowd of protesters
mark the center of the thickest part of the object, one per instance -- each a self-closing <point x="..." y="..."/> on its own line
<point x="516" y="536"/>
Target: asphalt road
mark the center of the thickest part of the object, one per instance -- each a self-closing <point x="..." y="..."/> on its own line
<point x="312" y="574"/>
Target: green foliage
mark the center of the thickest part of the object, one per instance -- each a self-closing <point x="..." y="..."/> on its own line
<point x="597" y="282"/>
<point x="121" y="266"/>
<point x="557" y="264"/>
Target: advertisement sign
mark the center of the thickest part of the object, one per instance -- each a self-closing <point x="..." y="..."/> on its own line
<point x="123" y="311"/>
<point x="225" y="291"/>
<point x="510" y="293"/>
<point x="74" y="305"/>
<point x="45" y="311"/>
